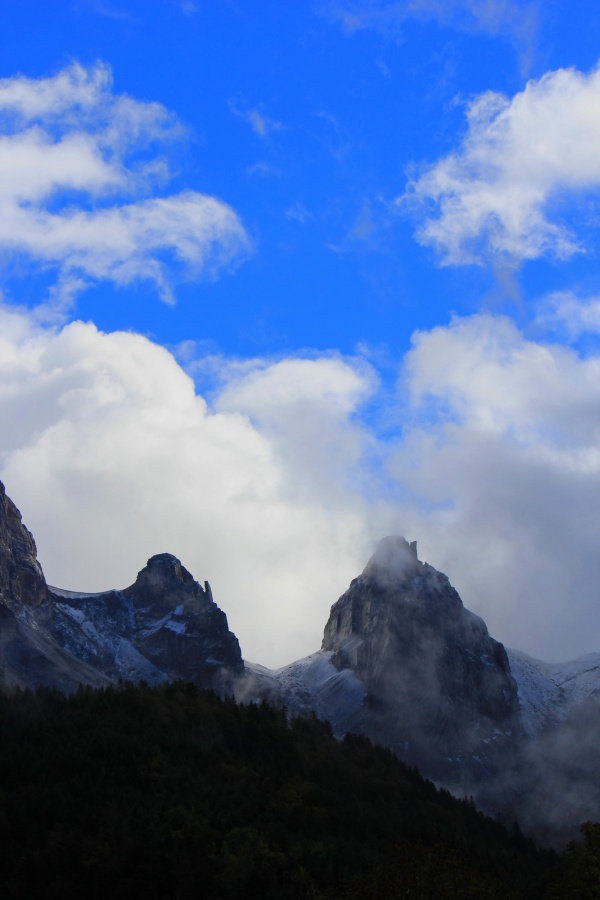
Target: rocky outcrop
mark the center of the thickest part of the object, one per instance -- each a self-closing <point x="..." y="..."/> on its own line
<point x="28" y="655"/>
<point x="439" y="690"/>
<point x="165" y="626"/>
<point x="22" y="581"/>
<point x="29" y="659"/>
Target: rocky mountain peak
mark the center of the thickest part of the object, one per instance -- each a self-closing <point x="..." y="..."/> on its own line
<point x="166" y="571"/>
<point x="164" y="626"/>
<point x="439" y="688"/>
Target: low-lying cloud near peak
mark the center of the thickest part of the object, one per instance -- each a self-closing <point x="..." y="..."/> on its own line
<point x="273" y="489"/>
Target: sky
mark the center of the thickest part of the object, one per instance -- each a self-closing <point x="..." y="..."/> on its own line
<point x="277" y="280"/>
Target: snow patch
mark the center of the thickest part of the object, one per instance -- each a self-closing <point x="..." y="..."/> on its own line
<point x="547" y="691"/>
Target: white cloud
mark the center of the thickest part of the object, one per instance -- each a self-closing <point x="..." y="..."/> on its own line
<point x="112" y="456"/>
<point x="306" y="409"/>
<point x="503" y="460"/>
<point x="255" y="118"/>
<point x="569" y="314"/>
<point x="522" y="160"/>
<point x="274" y="491"/>
<point x="74" y="160"/>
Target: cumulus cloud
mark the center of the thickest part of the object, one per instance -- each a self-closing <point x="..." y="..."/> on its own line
<point x="278" y="489"/>
<point x="112" y="456"/>
<point x="77" y="163"/>
<point x="306" y="408"/>
<point x="501" y="455"/>
<point x="522" y="160"/>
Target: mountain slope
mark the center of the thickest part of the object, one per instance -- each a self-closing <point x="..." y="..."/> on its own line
<point x="167" y="792"/>
<point x="165" y="626"/>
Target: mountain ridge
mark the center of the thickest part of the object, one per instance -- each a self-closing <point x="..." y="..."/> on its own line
<point x="402" y="661"/>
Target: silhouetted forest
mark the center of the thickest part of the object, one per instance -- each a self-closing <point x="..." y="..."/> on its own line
<point x="171" y="792"/>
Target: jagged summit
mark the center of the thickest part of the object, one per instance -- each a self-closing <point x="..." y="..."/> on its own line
<point x="167" y="567"/>
<point x="166" y="570"/>
<point x="439" y="688"/>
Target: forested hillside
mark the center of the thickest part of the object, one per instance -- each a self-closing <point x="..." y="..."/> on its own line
<point x="170" y="792"/>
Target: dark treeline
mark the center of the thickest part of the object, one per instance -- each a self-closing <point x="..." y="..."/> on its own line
<point x="170" y="792"/>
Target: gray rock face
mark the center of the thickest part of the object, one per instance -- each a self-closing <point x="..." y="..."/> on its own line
<point x="439" y="690"/>
<point x="21" y="577"/>
<point x="165" y="626"/>
<point x="28" y="656"/>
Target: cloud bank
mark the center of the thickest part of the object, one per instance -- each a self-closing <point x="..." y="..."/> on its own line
<point x="112" y="456"/>
<point x="76" y="164"/>
<point x="502" y="456"/>
<point x="272" y="490"/>
<point x="503" y="194"/>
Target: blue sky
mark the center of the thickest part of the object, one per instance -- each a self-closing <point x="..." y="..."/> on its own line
<point x="278" y="279"/>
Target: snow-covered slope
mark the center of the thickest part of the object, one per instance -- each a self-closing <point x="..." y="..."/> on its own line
<point x="312" y="684"/>
<point x="548" y="691"/>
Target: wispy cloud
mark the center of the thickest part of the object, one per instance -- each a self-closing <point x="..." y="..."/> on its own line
<point x="188" y="7"/>
<point x="260" y="123"/>
<point x="106" y="9"/>
<point x="77" y="163"/>
<point x="508" y="18"/>
<point x="298" y="213"/>
<point x="499" y="196"/>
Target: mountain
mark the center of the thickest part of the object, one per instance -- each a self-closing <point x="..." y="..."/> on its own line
<point x="405" y="663"/>
<point x="549" y="691"/>
<point x="402" y="661"/>
<point x="560" y="707"/>
<point x="163" y="627"/>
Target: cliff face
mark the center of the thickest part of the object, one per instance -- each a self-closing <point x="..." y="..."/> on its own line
<point x="21" y="578"/>
<point x="438" y="688"/>
<point x="28" y="655"/>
